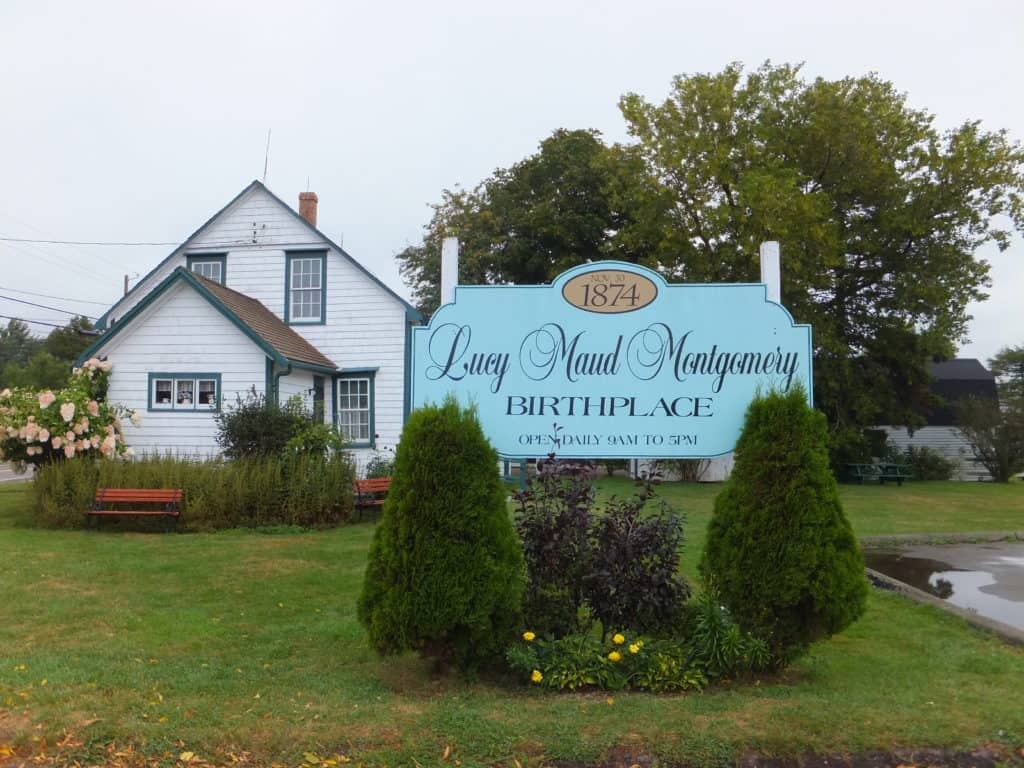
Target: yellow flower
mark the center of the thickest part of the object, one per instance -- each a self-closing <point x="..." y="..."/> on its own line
<point x="618" y="639"/>
<point x="528" y="636"/>
<point x="615" y="656"/>
<point x="634" y="648"/>
<point x="536" y="676"/>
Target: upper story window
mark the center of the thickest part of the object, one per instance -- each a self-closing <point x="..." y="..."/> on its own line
<point x="184" y="391"/>
<point x="305" y="287"/>
<point x="212" y="266"/>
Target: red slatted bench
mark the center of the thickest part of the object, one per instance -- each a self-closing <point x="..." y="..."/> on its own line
<point x="169" y="501"/>
<point x="370" y="493"/>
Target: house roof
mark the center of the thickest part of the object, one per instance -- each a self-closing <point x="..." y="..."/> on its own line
<point x="265" y="323"/>
<point x="961" y="368"/>
<point x="411" y="312"/>
<point x="281" y="343"/>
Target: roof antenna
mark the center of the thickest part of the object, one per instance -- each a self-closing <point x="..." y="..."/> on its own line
<point x="307" y="183"/>
<point x="266" y="158"/>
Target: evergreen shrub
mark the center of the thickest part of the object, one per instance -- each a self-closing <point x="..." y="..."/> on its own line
<point x="445" y="572"/>
<point x="779" y="550"/>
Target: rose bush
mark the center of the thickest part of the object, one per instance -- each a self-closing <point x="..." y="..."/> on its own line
<point x="45" y="426"/>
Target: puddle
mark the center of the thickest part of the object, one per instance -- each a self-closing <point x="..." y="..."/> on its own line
<point x="986" y="578"/>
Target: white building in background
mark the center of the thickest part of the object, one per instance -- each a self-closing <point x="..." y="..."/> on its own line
<point x="952" y="380"/>
<point x="258" y="299"/>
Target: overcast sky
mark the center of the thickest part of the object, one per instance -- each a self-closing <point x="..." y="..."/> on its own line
<point x="136" y="121"/>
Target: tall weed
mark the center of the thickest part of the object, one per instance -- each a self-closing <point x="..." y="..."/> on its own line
<point x="297" y="490"/>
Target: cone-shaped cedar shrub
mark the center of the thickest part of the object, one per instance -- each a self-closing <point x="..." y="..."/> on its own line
<point x="779" y="550"/>
<point x="445" y="574"/>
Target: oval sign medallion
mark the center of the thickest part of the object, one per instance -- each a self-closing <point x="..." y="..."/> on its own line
<point x="610" y="291"/>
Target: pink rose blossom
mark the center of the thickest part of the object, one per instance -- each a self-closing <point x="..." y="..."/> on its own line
<point x="44" y="435"/>
<point x="93" y="407"/>
<point x="69" y="436"/>
<point x="69" y="450"/>
<point x="57" y="443"/>
<point x="67" y="412"/>
<point x="94" y="441"/>
<point x="46" y="399"/>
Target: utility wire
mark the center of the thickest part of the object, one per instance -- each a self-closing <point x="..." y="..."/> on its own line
<point x="59" y="298"/>
<point x="43" y="306"/>
<point x="71" y="242"/>
<point x="43" y="322"/>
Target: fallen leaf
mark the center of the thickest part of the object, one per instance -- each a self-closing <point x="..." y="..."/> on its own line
<point x="43" y="682"/>
<point x="447" y="752"/>
<point x="186" y="756"/>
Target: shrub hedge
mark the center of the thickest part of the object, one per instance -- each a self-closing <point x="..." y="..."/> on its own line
<point x="302" y="490"/>
<point x="779" y="549"/>
<point x="445" y="571"/>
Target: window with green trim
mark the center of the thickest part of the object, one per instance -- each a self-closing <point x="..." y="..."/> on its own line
<point x="211" y="266"/>
<point x="184" y="391"/>
<point x="305" y="288"/>
<point x="355" y="409"/>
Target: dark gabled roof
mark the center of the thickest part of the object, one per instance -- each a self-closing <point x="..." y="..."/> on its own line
<point x="411" y="312"/>
<point x="962" y="369"/>
<point x="956" y="380"/>
<point x="281" y="344"/>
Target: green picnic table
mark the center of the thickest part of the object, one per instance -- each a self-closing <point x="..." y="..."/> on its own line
<point x="881" y="471"/>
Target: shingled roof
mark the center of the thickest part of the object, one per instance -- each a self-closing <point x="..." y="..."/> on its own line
<point x="267" y="330"/>
<point x="265" y="323"/>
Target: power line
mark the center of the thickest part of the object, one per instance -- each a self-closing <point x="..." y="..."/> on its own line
<point x="59" y="298"/>
<point x="37" y="322"/>
<point x="43" y="306"/>
<point x="71" y="242"/>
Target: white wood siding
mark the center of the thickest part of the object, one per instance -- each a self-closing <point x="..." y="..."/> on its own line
<point x="948" y="441"/>
<point x="180" y="332"/>
<point x="298" y="383"/>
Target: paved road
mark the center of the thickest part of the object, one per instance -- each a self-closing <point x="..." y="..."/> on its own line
<point x="987" y="578"/>
<point x="7" y="475"/>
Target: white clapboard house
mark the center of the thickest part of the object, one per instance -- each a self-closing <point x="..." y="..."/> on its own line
<point x="952" y="380"/>
<point x="258" y="299"/>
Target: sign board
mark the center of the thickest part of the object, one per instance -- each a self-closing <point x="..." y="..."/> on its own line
<point x="610" y="361"/>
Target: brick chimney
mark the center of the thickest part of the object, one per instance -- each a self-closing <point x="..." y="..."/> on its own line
<point x="307" y="206"/>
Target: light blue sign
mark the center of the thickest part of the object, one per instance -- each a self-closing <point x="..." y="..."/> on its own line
<point x="610" y="361"/>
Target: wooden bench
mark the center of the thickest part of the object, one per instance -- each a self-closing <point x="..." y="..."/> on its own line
<point x="168" y="499"/>
<point x="370" y="493"/>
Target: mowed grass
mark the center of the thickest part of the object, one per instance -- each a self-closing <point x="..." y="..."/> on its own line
<point x="245" y="641"/>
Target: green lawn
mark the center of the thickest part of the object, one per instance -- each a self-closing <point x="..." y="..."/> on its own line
<point x="241" y="641"/>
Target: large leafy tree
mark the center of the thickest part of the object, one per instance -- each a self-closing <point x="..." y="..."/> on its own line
<point x="17" y="344"/>
<point x="575" y="200"/>
<point x="879" y="215"/>
<point x="1008" y="367"/>
<point x="69" y="342"/>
